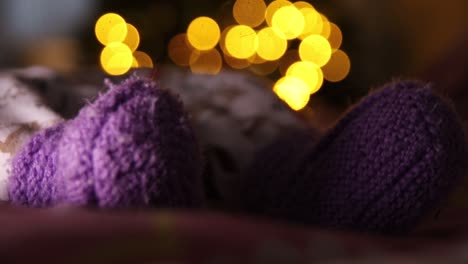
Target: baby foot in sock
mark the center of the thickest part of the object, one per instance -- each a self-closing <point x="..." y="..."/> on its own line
<point x="133" y="146"/>
<point x="386" y="164"/>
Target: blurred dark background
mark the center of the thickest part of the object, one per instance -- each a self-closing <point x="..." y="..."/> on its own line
<point x="384" y="39"/>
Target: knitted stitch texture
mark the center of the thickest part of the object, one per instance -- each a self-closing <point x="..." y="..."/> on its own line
<point x="389" y="162"/>
<point x="34" y="170"/>
<point x="132" y="147"/>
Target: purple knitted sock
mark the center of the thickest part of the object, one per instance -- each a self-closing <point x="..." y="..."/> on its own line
<point x="34" y="170"/>
<point x="386" y="164"/>
<point x="132" y="147"/>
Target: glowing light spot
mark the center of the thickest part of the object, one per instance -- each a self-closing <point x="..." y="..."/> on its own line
<point x="116" y="58"/>
<point x="265" y="68"/>
<point x="134" y="63"/>
<point x="207" y="62"/>
<point x="306" y="71"/>
<point x="132" y="40"/>
<point x="313" y="22"/>
<point x="203" y="33"/>
<point x="326" y="28"/>
<point x="338" y="67"/>
<point x="143" y="59"/>
<point x="255" y="59"/>
<point x="241" y="42"/>
<point x="272" y="44"/>
<point x="302" y="4"/>
<point x="236" y="63"/>
<point x="289" y="20"/>
<point x="272" y="8"/>
<point x="320" y="79"/>
<point x="249" y="12"/>
<point x="316" y="49"/>
<point x="110" y="28"/>
<point x="222" y="40"/>
<point x="180" y="51"/>
<point x="288" y="58"/>
<point x="335" y="37"/>
<point x="293" y="91"/>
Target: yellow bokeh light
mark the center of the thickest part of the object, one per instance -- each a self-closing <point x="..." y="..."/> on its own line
<point x="335" y="37"/>
<point x="143" y="60"/>
<point x="132" y="40"/>
<point x="110" y="28"/>
<point x="289" y="20"/>
<point x="265" y="68"/>
<point x="306" y="71"/>
<point x="288" y="58"/>
<point x="116" y="58"/>
<point x="236" y="63"/>
<point x="249" y="12"/>
<point x="207" y="62"/>
<point x="222" y="40"/>
<point x="293" y="91"/>
<point x="272" y="8"/>
<point x="180" y="51"/>
<point x="326" y="28"/>
<point x="134" y="63"/>
<point x="313" y="22"/>
<point x="272" y="44"/>
<point x="241" y="42"/>
<point x="255" y="59"/>
<point x="320" y="79"/>
<point x="316" y="49"/>
<point x="338" y="67"/>
<point x="203" y="33"/>
<point x="302" y="4"/>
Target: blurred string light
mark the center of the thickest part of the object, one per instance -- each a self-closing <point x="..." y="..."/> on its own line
<point x="260" y="42"/>
<point x="272" y="44"/>
<point x="203" y="33"/>
<point x="142" y="60"/>
<point x="110" y="28"/>
<point x="180" y="50"/>
<point x="207" y="62"/>
<point x="335" y="37"/>
<point x="241" y="42"/>
<point x="313" y="22"/>
<point x="325" y="26"/>
<point x="293" y="91"/>
<point x="316" y="49"/>
<point x="272" y="8"/>
<point x="235" y="63"/>
<point x="289" y="20"/>
<point x="265" y="68"/>
<point x="132" y="40"/>
<point x="338" y="67"/>
<point x="306" y="71"/>
<point x="256" y="59"/>
<point x="249" y="12"/>
<point x="121" y="41"/>
<point x="302" y="4"/>
<point x="116" y="58"/>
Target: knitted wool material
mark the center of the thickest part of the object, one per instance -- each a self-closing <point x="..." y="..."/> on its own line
<point x="389" y="162"/>
<point x="132" y="147"/>
<point x="34" y="170"/>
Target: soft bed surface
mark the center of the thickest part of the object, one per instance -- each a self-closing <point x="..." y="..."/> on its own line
<point x="65" y="235"/>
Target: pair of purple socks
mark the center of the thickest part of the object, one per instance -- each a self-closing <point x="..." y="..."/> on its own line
<point x="386" y="164"/>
